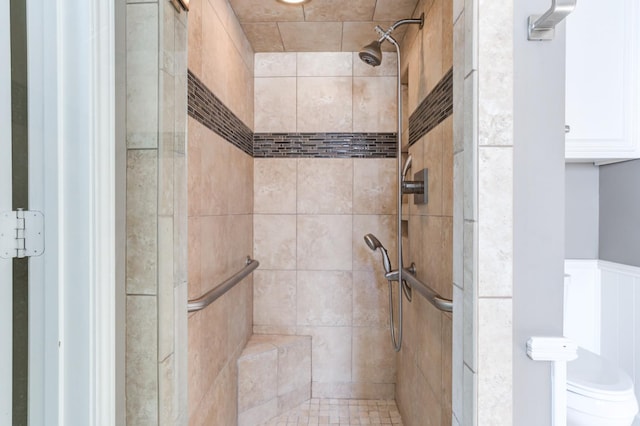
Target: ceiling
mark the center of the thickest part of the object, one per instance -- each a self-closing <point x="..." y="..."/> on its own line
<point x="320" y="25"/>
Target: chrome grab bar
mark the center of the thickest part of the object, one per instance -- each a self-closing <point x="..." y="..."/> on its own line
<point x="215" y="293"/>
<point x="430" y="294"/>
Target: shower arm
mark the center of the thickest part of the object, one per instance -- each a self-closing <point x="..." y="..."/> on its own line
<point x="386" y="35"/>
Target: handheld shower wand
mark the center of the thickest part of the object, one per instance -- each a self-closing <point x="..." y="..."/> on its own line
<point x="375" y="244"/>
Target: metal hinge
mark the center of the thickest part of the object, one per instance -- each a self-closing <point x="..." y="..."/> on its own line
<point x="21" y="234"/>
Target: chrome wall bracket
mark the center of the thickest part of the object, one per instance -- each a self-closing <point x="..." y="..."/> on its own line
<point x="418" y="187"/>
<point x="542" y="27"/>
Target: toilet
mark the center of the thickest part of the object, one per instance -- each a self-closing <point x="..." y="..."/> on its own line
<point x="598" y="392"/>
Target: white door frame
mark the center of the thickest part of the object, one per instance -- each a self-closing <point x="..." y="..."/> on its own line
<point x="72" y="180"/>
<point x="6" y="265"/>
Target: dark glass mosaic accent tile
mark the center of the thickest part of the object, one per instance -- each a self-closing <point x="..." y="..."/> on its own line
<point x="205" y="107"/>
<point x="434" y="109"/>
<point x="325" y="145"/>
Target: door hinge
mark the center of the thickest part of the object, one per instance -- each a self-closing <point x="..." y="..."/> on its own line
<point x="21" y="234"/>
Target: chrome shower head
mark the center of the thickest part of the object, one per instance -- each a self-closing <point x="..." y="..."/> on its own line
<point x="375" y="244"/>
<point x="371" y="54"/>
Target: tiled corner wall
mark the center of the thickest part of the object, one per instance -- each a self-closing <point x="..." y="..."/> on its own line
<point x="156" y="221"/>
<point x="423" y="390"/>
<point x="317" y="277"/>
<point x="220" y="206"/>
<point x="483" y="212"/>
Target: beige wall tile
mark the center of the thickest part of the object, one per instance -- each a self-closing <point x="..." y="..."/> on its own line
<point x="495" y="81"/>
<point x="274" y="243"/>
<point x="275" y="185"/>
<point x="316" y="36"/>
<point x="274" y="298"/>
<point x="294" y="365"/>
<point x="324" y="298"/>
<point x="275" y="104"/>
<point x="324" y="242"/>
<point x="325" y="64"/>
<point x="370" y="299"/>
<point x="334" y="10"/>
<point x="429" y="346"/>
<point x="393" y="10"/>
<point x="256" y="415"/>
<point x="375" y="103"/>
<point x="373" y="356"/>
<point x="495" y="360"/>
<point x="194" y="176"/>
<point x="195" y="36"/>
<point x="142" y="360"/>
<point x="447" y="35"/>
<point x="142" y="75"/>
<point x="324" y="104"/>
<point x="432" y="47"/>
<point x="264" y="36"/>
<point x="374" y="182"/>
<point x="447" y="167"/>
<point x="213" y="341"/>
<point x="325" y="186"/>
<point x="165" y="287"/>
<point x="142" y="205"/>
<point x="258" y="10"/>
<point x="331" y="390"/>
<point x="275" y="64"/>
<point x="330" y="352"/>
<point x="388" y="67"/>
<point x="215" y="72"/>
<point x="383" y="227"/>
<point x="495" y="226"/>
<point x="166" y="390"/>
<point x="257" y="378"/>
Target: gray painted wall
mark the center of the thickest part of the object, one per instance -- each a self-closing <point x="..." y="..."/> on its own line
<point x="620" y="213"/>
<point x="538" y="209"/>
<point x="581" y="210"/>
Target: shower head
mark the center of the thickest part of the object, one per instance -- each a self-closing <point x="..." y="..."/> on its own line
<point x="371" y="54"/>
<point x="375" y="244"/>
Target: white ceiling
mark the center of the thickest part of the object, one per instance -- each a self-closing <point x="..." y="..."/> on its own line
<point x="320" y="25"/>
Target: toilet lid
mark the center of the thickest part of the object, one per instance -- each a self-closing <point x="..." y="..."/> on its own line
<point x="593" y="376"/>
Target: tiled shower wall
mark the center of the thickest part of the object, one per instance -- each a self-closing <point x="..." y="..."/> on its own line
<point x="156" y="221"/>
<point x="220" y="206"/>
<point x="483" y="212"/>
<point x="317" y="277"/>
<point x="424" y="386"/>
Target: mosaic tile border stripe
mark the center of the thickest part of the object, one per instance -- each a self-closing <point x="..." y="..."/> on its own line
<point x="433" y="110"/>
<point x="207" y="109"/>
<point x="324" y="145"/>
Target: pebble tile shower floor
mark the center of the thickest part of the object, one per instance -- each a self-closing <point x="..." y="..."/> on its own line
<point x="341" y="412"/>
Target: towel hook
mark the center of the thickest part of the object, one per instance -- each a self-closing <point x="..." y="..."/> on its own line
<point x="542" y="27"/>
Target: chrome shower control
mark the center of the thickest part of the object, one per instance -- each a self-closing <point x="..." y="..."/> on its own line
<point x="418" y="187"/>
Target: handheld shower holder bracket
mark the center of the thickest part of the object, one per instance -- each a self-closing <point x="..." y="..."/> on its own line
<point x="418" y="187"/>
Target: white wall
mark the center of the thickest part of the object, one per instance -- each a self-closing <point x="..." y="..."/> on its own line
<point x="538" y="208"/>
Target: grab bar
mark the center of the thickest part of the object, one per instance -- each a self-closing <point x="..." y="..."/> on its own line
<point x="430" y="294"/>
<point x="543" y="27"/>
<point x="215" y="293"/>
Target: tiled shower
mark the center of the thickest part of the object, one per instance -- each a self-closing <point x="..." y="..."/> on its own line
<point x="290" y="161"/>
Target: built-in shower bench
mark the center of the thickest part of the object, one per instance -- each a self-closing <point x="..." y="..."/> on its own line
<point x="274" y="376"/>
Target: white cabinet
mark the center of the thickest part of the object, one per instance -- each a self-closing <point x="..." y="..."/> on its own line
<point x="602" y="85"/>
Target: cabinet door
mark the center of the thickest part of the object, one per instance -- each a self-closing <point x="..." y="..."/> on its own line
<point x="602" y="92"/>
